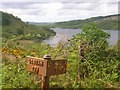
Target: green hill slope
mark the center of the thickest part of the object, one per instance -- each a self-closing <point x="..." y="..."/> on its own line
<point x="103" y="22"/>
<point x="14" y="26"/>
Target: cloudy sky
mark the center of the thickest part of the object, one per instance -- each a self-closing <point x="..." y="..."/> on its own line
<point x="56" y="11"/>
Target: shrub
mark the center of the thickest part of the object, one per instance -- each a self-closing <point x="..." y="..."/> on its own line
<point x="20" y="31"/>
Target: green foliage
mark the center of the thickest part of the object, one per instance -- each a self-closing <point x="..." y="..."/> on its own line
<point x="14" y="75"/>
<point x="100" y="68"/>
<point x="20" y="31"/>
<point x="92" y="35"/>
<point x="5" y="19"/>
<point x="99" y="59"/>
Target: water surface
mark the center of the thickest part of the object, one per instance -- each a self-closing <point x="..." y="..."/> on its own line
<point x="66" y="34"/>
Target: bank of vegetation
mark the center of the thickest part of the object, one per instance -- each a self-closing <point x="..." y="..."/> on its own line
<point x="98" y="68"/>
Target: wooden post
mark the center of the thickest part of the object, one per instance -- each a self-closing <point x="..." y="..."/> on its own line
<point x="81" y="55"/>
<point x="45" y="82"/>
<point x="82" y="47"/>
<point x="45" y="79"/>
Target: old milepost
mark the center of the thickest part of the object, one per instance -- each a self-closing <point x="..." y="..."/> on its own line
<point x="45" y="79"/>
<point x="46" y="67"/>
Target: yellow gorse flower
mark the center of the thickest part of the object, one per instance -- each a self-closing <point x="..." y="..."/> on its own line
<point x="68" y="65"/>
<point x="18" y="52"/>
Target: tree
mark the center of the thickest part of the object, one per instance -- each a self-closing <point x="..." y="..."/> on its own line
<point x="20" y="31"/>
<point x="94" y="43"/>
<point x="6" y="20"/>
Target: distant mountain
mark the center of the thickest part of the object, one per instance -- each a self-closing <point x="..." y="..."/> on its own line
<point x="14" y="26"/>
<point x="37" y="22"/>
<point x="104" y="22"/>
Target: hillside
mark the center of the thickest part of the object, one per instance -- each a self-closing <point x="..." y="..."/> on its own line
<point x="103" y="22"/>
<point x="14" y="26"/>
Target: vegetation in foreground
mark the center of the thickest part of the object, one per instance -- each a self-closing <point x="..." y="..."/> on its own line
<point x="99" y="68"/>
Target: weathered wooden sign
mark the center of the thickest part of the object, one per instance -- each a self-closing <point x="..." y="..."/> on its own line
<point x="56" y="67"/>
<point x="37" y="65"/>
<point x="46" y="67"/>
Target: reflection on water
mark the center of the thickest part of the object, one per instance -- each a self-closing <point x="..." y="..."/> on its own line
<point x="65" y="34"/>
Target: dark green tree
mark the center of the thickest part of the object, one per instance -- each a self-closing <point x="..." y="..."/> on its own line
<point x="20" y="31"/>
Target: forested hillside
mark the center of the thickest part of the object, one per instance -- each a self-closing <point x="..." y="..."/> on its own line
<point x="13" y="26"/>
<point x="109" y="22"/>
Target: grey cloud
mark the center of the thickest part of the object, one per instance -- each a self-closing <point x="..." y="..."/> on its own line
<point x="68" y="11"/>
<point x="80" y="6"/>
<point x="26" y="7"/>
<point x="55" y="1"/>
<point x="21" y="5"/>
<point x="66" y="5"/>
<point x="86" y="6"/>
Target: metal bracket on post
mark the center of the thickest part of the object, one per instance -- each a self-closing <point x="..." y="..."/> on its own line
<point x="47" y="57"/>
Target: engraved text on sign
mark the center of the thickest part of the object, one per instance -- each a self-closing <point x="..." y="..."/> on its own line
<point x="37" y="65"/>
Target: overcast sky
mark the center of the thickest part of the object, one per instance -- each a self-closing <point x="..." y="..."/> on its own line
<point x="56" y="11"/>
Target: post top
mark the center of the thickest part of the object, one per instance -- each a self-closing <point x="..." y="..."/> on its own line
<point x="47" y="57"/>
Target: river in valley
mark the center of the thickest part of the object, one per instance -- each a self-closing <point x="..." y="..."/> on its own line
<point x="66" y="34"/>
